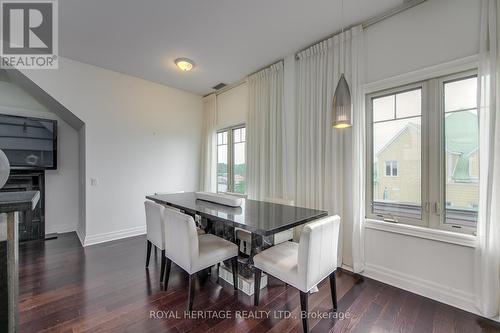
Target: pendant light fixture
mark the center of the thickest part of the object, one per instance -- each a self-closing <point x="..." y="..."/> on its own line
<point x="342" y="105"/>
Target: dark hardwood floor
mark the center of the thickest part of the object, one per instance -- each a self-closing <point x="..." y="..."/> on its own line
<point x="105" y="288"/>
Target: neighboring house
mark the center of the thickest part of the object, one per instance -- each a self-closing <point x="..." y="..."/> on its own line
<point x="398" y="168"/>
<point x="462" y="169"/>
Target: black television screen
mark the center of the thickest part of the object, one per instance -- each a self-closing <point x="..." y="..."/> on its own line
<point x="29" y="142"/>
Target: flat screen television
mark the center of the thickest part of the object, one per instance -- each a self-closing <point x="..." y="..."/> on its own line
<point x="29" y="143"/>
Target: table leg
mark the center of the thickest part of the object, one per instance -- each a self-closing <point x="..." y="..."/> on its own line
<point x="13" y="258"/>
<point x="254" y="248"/>
<point x="207" y="225"/>
<point x="259" y="244"/>
<point x="8" y="272"/>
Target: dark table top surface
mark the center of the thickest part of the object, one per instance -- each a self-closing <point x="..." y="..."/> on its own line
<point x="18" y="201"/>
<point x="260" y="217"/>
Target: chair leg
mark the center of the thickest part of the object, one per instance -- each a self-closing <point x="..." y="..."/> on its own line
<point x="304" y="310"/>
<point x="162" y="265"/>
<point x="168" y="265"/>
<point x="148" y="253"/>
<point x="191" y="292"/>
<point x="333" y="290"/>
<point x="256" y="290"/>
<point x="218" y="270"/>
<point x="234" y="265"/>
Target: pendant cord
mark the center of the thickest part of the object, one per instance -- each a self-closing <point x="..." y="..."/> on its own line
<point x="342" y="36"/>
<point x="342" y="14"/>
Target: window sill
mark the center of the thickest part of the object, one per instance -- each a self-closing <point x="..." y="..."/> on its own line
<point x="421" y="232"/>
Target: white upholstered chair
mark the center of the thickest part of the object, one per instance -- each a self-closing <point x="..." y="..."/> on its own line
<point x="305" y="264"/>
<point x="193" y="252"/>
<point x="155" y="231"/>
<point x="197" y="217"/>
<point x="155" y="222"/>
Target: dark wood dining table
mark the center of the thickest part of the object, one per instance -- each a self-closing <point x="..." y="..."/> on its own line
<point x="263" y="219"/>
<point x="259" y="217"/>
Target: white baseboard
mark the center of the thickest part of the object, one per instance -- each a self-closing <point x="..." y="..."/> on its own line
<point x="81" y="236"/>
<point x="347" y="268"/>
<point x="114" y="235"/>
<point x="436" y="291"/>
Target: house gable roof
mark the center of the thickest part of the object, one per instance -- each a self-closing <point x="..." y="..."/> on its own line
<point x="461" y="133"/>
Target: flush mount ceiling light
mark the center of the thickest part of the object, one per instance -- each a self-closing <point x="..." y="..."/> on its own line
<point x="184" y="64"/>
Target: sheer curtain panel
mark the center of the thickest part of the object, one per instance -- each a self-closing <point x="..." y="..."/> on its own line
<point x="208" y="168"/>
<point x="487" y="271"/>
<point x="320" y="148"/>
<point x="266" y="167"/>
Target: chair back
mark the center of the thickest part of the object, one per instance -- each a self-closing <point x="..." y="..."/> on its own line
<point x="154" y="223"/>
<point x="318" y="244"/>
<point x="181" y="239"/>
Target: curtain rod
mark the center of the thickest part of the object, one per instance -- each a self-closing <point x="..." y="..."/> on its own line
<point x="407" y="4"/>
<point x="240" y="82"/>
<point x="262" y="68"/>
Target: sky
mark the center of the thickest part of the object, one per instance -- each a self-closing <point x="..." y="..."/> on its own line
<point x="458" y="95"/>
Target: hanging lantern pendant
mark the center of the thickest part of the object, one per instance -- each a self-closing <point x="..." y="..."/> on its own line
<point x="342" y="106"/>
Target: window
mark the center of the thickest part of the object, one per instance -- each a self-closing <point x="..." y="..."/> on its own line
<point x="231" y="160"/>
<point x="222" y="157"/>
<point x="396" y="146"/>
<point x="422" y="153"/>
<point x="239" y="163"/>
<point x="391" y="168"/>
<point x="461" y="187"/>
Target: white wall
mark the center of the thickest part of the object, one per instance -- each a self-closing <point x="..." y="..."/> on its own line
<point x="432" y="33"/>
<point x="62" y="193"/>
<point x="82" y="182"/>
<point x="140" y="137"/>
<point x="232" y="106"/>
<point x="435" y="269"/>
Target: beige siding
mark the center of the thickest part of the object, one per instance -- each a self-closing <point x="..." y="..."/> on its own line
<point x="462" y="195"/>
<point x="406" y="187"/>
<point x="474" y="165"/>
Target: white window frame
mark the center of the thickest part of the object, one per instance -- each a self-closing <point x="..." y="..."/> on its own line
<point x="432" y="149"/>
<point x="392" y="163"/>
<point x="437" y="220"/>
<point x="230" y="159"/>
<point x="369" y="156"/>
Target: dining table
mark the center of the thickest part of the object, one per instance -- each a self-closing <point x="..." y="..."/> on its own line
<point x="262" y="219"/>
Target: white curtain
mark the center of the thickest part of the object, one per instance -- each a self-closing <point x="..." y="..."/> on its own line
<point x="266" y="167"/>
<point x="487" y="270"/>
<point x="208" y="168"/>
<point x="320" y="148"/>
<point x="357" y="170"/>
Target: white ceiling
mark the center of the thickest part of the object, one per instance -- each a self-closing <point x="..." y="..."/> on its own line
<point x="227" y="39"/>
